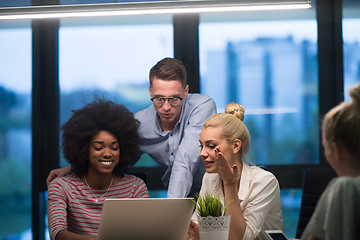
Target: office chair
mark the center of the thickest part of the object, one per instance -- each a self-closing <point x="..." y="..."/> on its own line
<point x="314" y="183"/>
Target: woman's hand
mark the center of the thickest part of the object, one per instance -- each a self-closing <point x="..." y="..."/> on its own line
<point x="193" y="232"/>
<point x="229" y="174"/>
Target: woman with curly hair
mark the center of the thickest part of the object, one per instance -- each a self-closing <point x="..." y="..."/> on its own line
<point x="100" y="141"/>
<point x="252" y="195"/>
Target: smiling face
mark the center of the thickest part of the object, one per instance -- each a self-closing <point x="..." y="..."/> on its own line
<point x="104" y="153"/>
<point x="168" y="114"/>
<point x="210" y="138"/>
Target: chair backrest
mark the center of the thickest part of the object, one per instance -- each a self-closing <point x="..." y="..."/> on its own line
<point x="314" y="183"/>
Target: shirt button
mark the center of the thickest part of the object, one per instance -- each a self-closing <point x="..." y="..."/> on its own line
<point x="172" y="154"/>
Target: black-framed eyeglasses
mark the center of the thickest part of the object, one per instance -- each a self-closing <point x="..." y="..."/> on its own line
<point x="161" y="100"/>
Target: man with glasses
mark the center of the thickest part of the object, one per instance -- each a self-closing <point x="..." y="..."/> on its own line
<point x="170" y="128"/>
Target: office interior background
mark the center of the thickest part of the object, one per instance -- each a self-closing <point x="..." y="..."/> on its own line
<point x="287" y="68"/>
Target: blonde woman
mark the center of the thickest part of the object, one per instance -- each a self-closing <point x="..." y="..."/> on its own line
<point x="253" y="194"/>
<point x="337" y="214"/>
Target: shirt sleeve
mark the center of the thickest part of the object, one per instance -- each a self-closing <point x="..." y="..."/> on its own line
<point x="187" y="159"/>
<point x="264" y="195"/>
<point x="57" y="204"/>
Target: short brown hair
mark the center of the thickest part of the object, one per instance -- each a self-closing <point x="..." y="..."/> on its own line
<point x="169" y="69"/>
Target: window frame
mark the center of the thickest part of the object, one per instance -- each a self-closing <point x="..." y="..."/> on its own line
<point x="45" y="103"/>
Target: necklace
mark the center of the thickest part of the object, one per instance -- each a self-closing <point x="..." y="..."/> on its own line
<point x="96" y="200"/>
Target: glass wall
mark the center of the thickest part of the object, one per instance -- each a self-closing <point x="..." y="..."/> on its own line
<point x="351" y="48"/>
<point x="267" y="62"/>
<point x="270" y="67"/>
<point x="111" y="58"/>
<point x="15" y="130"/>
<point x="15" y="3"/>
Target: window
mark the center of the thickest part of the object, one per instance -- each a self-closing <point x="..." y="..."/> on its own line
<point x="15" y="3"/>
<point x="351" y="47"/>
<point x="224" y="59"/>
<point x="15" y="130"/>
<point x="111" y="58"/>
<point x="257" y="63"/>
<point x="267" y="62"/>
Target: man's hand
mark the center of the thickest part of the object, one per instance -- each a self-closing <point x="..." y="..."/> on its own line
<point x="59" y="172"/>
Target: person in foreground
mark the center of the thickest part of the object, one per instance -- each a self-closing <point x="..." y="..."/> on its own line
<point x="252" y="194"/>
<point x="337" y="213"/>
<point x="170" y="128"/>
<point x="100" y="140"/>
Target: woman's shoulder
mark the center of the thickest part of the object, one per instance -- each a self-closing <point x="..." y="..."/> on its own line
<point x="131" y="178"/>
<point x="259" y="173"/>
<point x="345" y="184"/>
<point x="259" y="178"/>
<point x="67" y="179"/>
<point x="347" y="180"/>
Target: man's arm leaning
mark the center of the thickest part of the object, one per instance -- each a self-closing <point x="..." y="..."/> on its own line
<point x="59" y="172"/>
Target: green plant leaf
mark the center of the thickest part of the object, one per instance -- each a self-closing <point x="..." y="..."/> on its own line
<point x="209" y="205"/>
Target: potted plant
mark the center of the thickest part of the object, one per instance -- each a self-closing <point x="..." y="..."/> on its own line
<point x="213" y="224"/>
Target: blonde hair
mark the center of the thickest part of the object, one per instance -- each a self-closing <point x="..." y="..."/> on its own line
<point x="232" y="124"/>
<point x="342" y="123"/>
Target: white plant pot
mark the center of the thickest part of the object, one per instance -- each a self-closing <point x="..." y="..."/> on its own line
<point x="214" y="228"/>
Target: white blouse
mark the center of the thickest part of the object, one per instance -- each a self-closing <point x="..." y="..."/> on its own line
<point x="259" y="193"/>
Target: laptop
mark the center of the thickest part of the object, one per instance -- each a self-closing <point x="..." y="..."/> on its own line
<point x="145" y="219"/>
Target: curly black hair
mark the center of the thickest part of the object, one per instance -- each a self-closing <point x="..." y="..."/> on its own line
<point x="86" y="122"/>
